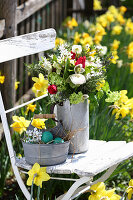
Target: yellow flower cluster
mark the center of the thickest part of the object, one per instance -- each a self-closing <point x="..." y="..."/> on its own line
<point x="40" y="86"/>
<point x="115" y="57"/>
<point x="37" y="175"/>
<point x="97" y="5"/>
<point x="115" y="45"/>
<point x="20" y="124"/>
<point x="38" y="123"/>
<point x="129" y="27"/>
<point x="130" y="50"/>
<point x="124" y="106"/>
<point x="30" y="107"/>
<point x="83" y="39"/>
<point x="98" y="192"/>
<point x="59" y="41"/>
<point x="71" y="23"/>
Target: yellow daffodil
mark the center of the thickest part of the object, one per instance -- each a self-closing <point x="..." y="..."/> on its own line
<point x="59" y="41"/>
<point x="40" y="86"/>
<point x="115" y="57"/>
<point x="87" y="40"/>
<point x="2" y="78"/>
<point x="124" y="106"/>
<point x="20" y="124"/>
<point x="130" y="189"/>
<point x="123" y="9"/>
<point x="97" y="188"/>
<point x="77" y="38"/>
<point x="116" y="30"/>
<point x="131" y="67"/>
<point x="100" y="84"/>
<point x="129" y="27"/>
<point x="72" y="23"/>
<point x="115" y="45"/>
<point x="130" y="50"/>
<point x="102" y="20"/>
<point x="120" y="19"/>
<point x="110" y="17"/>
<point x="30" y="107"/>
<point x="38" y="123"/>
<point x="97" y="5"/>
<point x="112" y="9"/>
<point x="16" y="84"/>
<point x="37" y="175"/>
<point x="99" y="193"/>
<point x="98" y="39"/>
<point x="100" y="30"/>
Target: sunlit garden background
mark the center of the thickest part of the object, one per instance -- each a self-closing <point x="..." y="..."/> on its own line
<point x="109" y="27"/>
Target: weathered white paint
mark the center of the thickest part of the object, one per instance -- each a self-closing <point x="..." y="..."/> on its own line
<point x="11" y="150"/>
<point x="27" y="44"/>
<point x="30" y="7"/>
<point x="26" y="103"/>
<point x="2" y="27"/>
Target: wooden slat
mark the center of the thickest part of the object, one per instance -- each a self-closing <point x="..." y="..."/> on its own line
<point x="31" y="6"/>
<point x="27" y="44"/>
<point x="2" y="27"/>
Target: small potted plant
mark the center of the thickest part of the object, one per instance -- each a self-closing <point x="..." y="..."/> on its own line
<point x="42" y="145"/>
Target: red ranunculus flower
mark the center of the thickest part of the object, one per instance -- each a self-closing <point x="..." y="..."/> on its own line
<point x="52" y="89"/>
<point x="81" y="60"/>
<point x="73" y="55"/>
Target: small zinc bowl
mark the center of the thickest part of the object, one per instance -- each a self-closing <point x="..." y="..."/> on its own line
<point x="46" y="154"/>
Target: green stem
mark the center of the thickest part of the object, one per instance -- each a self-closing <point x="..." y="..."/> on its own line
<point x="32" y="190"/>
<point x="38" y="193"/>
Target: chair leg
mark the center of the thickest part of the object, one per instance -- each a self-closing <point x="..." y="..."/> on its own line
<point x="19" y="179"/>
<point x="73" y="188"/>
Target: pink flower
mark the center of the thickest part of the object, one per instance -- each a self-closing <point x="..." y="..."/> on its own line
<point x="81" y="60"/>
<point x="52" y="89"/>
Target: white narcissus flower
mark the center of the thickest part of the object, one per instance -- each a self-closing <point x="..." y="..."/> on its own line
<point x="119" y="63"/>
<point x="77" y="49"/>
<point x="103" y="50"/>
<point x="78" y="79"/>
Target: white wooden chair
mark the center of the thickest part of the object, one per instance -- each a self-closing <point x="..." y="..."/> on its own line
<point x="100" y="156"/>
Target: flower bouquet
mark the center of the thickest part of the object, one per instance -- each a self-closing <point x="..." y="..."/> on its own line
<point x="70" y="76"/>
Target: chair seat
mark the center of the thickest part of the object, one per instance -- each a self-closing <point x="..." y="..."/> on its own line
<point x="100" y="156"/>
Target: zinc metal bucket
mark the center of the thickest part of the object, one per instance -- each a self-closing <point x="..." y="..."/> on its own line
<point x="46" y="154"/>
<point x="75" y="119"/>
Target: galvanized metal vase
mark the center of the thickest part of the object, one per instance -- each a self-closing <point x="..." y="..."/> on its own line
<point x="75" y="119"/>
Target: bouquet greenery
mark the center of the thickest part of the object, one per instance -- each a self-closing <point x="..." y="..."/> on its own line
<point x="73" y="72"/>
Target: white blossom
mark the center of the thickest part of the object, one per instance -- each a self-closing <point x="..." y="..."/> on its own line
<point x="102" y="49"/>
<point x="78" y="79"/>
<point x="119" y="63"/>
<point x="77" y="49"/>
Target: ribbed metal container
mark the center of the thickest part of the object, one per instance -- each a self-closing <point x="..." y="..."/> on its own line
<point x="75" y="119"/>
<point x="46" y="154"/>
